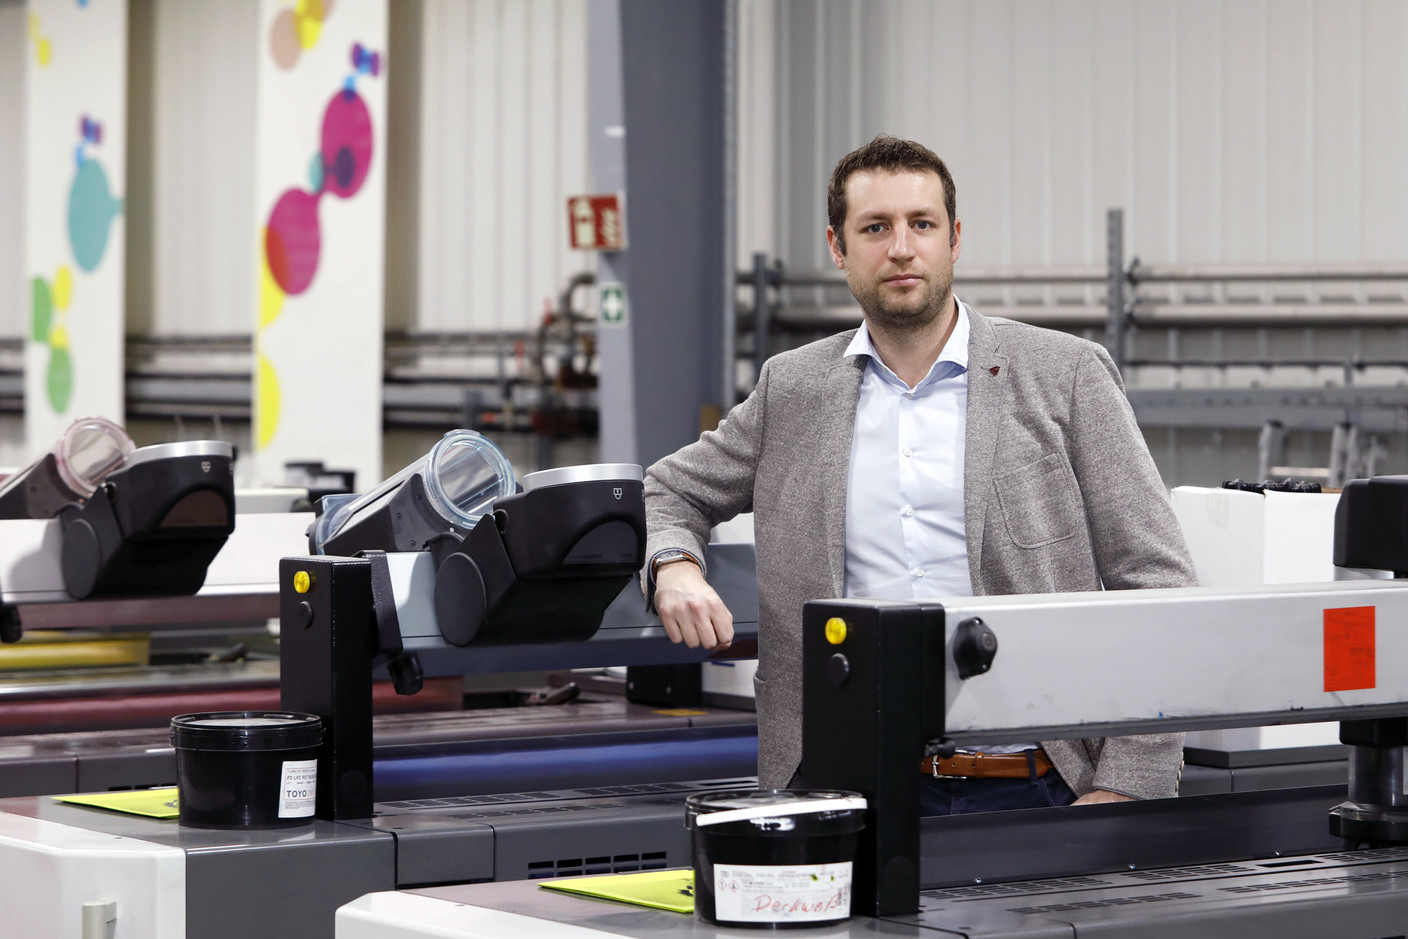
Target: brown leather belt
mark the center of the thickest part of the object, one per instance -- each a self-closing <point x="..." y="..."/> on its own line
<point x="986" y="765"/>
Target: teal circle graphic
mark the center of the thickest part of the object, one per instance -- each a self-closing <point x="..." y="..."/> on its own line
<point x="91" y="210"/>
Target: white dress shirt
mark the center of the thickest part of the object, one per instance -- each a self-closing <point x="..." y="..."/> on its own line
<point x="905" y="538"/>
<point x="904" y="494"/>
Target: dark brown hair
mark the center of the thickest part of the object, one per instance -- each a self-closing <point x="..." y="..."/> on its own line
<point x="885" y="153"/>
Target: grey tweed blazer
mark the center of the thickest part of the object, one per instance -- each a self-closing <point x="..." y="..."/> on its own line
<point x="1060" y="494"/>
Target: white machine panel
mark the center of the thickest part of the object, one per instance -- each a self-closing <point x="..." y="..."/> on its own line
<point x="48" y="872"/>
<point x="391" y="915"/>
<point x="249" y="560"/>
<point x="1207" y="657"/>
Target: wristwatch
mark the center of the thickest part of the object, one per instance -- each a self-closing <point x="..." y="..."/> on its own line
<point x="669" y="556"/>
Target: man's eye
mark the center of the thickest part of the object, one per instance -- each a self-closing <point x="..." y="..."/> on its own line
<point x="923" y="225"/>
<point x="874" y="228"/>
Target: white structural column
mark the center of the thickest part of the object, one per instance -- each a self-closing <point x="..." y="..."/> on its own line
<point x="320" y="193"/>
<point x="75" y="171"/>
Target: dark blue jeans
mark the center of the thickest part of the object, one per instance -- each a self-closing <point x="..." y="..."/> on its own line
<point x="958" y="795"/>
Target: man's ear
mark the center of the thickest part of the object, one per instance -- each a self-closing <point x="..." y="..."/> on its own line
<point x="838" y="257"/>
<point x="956" y="242"/>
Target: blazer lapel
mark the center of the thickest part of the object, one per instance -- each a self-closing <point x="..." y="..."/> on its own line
<point x="837" y="421"/>
<point x="987" y="402"/>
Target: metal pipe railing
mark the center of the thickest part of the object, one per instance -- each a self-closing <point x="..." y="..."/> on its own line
<point x="1000" y="276"/>
<point x="1140" y="312"/>
<point x="843" y="316"/>
<point x="1141" y="273"/>
<point x="1269" y="315"/>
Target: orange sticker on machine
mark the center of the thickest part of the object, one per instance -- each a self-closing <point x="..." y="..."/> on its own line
<point x="1349" y="648"/>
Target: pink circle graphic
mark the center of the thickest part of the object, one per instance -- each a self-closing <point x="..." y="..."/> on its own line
<point x="347" y="143"/>
<point x="293" y="241"/>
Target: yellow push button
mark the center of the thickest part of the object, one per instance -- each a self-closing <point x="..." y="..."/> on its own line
<point x="302" y="581"/>
<point x="835" y="630"/>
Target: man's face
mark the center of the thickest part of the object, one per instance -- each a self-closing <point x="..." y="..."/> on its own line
<point x="899" y="255"/>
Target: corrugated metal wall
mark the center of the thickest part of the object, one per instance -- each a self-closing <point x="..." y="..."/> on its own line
<point x="503" y="144"/>
<point x="1255" y="130"/>
<point x="194" y="272"/>
<point x="757" y="131"/>
<point x="1229" y="130"/>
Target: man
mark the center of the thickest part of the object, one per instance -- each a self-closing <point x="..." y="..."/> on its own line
<point x="934" y="452"/>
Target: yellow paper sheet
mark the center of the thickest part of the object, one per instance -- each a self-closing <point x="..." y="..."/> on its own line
<point x="154" y="803"/>
<point x="671" y="890"/>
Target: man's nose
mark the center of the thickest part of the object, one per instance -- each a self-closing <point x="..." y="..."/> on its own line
<point x="901" y="243"/>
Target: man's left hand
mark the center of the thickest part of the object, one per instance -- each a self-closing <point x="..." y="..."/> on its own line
<point x="1102" y="795"/>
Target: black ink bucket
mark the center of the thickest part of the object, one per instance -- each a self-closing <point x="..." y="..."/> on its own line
<point x="247" y="769"/>
<point x="774" y="858"/>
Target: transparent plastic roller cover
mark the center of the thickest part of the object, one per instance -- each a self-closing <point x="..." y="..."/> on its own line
<point x="90" y="449"/>
<point x="463" y="474"/>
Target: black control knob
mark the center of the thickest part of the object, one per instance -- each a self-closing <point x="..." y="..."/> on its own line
<point x="838" y="669"/>
<point x="407" y="676"/>
<point x="974" y="647"/>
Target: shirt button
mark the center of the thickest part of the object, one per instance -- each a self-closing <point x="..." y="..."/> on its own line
<point x="907" y="452"/>
<point x="908" y="510"/>
<point x="918" y="572"/>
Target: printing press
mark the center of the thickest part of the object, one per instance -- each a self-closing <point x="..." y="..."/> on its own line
<point x="408" y="855"/>
<point x="344" y="619"/>
<point x="107" y="727"/>
<point x="111" y="556"/>
<point x="887" y="683"/>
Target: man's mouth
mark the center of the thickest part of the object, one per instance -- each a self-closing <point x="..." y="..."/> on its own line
<point x="904" y="280"/>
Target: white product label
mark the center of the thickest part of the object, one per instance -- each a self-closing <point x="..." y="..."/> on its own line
<point x="298" y="793"/>
<point x="778" y="894"/>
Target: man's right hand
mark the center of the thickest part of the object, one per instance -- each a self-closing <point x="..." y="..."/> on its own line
<point x="689" y="608"/>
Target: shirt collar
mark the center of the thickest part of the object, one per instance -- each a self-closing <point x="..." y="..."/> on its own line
<point x="954" y="351"/>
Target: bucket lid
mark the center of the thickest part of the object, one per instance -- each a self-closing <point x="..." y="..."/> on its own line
<point x="738" y="805"/>
<point x="246" y="730"/>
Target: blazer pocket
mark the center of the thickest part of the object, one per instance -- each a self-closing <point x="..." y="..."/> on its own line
<point x="1040" y="502"/>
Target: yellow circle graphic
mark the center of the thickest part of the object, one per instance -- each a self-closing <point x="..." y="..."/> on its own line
<point x="63" y="287"/>
<point x="266" y="403"/>
<point x="271" y="295"/>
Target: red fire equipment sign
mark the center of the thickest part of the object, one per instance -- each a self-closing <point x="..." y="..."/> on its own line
<point x="596" y="222"/>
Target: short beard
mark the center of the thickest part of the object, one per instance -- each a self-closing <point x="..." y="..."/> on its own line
<point x="906" y="320"/>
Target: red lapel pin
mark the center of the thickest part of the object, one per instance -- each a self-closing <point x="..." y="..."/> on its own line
<point x="995" y="369"/>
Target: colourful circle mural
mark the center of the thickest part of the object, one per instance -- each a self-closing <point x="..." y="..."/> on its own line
<point x="92" y="208"/>
<point x="292" y="238"/>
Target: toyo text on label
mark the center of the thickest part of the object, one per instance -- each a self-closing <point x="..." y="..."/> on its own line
<point x="298" y="789"/>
